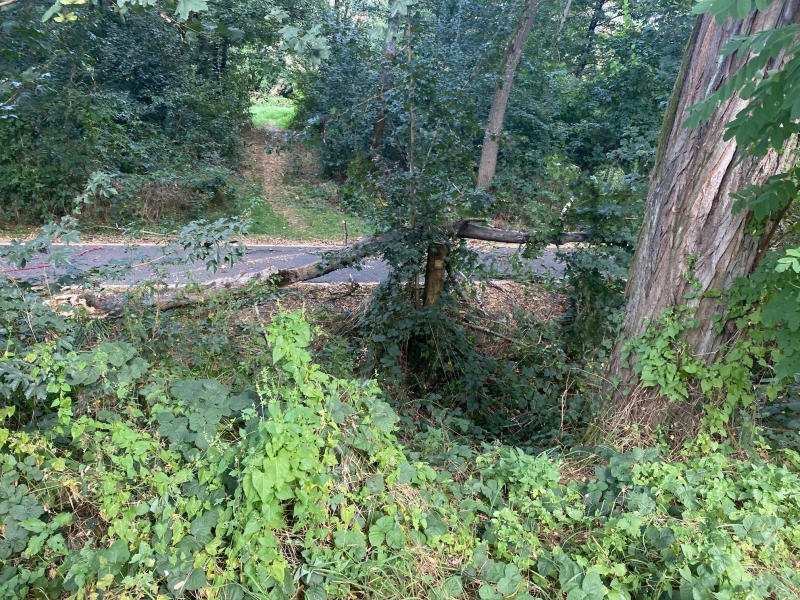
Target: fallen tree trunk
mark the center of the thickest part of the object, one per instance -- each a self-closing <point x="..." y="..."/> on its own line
<point x="175" y="296"/>
<point x="470" y="231"/>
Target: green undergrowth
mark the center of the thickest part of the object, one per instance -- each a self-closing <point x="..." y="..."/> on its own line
<point x="207" y="454"/>
<point x="304" y="219"/>
<point x="272" y="112"/>
<point x="303" y="210"/>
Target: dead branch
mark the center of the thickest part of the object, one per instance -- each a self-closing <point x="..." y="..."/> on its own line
<point x="489" y="331"/>
<point x="176" y="296"/>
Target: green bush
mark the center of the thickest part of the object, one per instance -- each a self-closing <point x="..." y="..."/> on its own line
<point x="128" y="97"/>
<point x="121" y="476"/>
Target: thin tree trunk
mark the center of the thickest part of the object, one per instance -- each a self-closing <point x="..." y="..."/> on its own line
<point x="561" y="24"/>
<point x="389" y="53"/>
<point x="598" y="10"/>
<point x="497" y="112"/>
<point x="690" y="240"/>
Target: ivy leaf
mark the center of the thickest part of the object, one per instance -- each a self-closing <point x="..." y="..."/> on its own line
<point x="510" y="581"/>
<point x="315" y="592"/>
<point x="262" y="485"/>
<point x="593" y="587"/>
<point x="173" y="429"/>
<point x="406" y="472"/>
<point x="15" y="542"/>
<point x="453" y="587"/>
<point x="395" y="538"/>
<point x="375" y="484"/>
<point x="116" y="353"/>
<point x="383" y="417"/>
<point x="241" y="401"/>
<point x="487" y="592"/>
<point x="352" y="541"/>
<point x="28" y="508"/>
<point x="568" y="573"/>
<point x="377" y="533"/>
<point x="193" y="390"/>
<point x="232" y="591"/>
<point x="277" y="470"/>
<point x="195" y="581"/>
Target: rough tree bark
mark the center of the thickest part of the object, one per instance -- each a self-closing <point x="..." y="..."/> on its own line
<point x="497" y="112"/>
<point x="688" y="216"/>
<point x="434" y="273"/>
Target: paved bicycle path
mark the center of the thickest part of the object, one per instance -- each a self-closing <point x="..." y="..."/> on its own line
<point x="147" y="259"/>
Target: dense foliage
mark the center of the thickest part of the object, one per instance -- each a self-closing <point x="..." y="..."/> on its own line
<point x="208" y="449"/>
<point x="131" y="97"/>
<point x="157" y="102"/>
<point x="121" y="475"/>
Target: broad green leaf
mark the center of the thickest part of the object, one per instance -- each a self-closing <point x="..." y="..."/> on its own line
<point x="187" y="6"/>
<point x="118" y="553"/>
<point x="195" y="581"/>
<point x="487" y="592"/>
<point x="203" y="524"/>
<point x="593" y="587"/>
<point x="51" y="11"/>
<point x="453" y="587"/>
<point x="262" y="485"/>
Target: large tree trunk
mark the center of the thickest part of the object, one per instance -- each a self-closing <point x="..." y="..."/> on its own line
<point x="497" y="112"/>
<point x="688" y="218"/>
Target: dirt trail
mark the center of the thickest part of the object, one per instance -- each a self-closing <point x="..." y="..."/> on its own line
<point x="270" y="168"/>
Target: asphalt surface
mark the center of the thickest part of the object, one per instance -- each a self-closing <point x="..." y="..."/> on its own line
<point x="148" y="260"/>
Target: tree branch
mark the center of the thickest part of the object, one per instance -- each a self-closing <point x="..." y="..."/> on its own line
<point x="467" y="230"/>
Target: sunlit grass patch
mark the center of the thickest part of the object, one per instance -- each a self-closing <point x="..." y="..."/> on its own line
<point x="272" y="112"/>
<point x="312" y="218"/>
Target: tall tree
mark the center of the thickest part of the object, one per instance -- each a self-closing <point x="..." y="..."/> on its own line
<point x="497" y="112"/>
<point x="691" y="242"/>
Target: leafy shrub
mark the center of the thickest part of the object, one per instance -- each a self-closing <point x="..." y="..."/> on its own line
<point x="128" y="97"/>
<point x="118" y="477"/>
